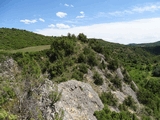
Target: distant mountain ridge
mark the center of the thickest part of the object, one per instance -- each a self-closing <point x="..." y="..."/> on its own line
<point x="153" y="44"/>
<point x="153" y="48"/>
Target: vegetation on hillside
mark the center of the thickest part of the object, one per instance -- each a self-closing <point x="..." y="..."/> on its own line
<point x="70" y="57"/>
<point x="16" y="39"/>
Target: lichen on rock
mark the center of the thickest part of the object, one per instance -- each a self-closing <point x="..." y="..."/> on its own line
<point x="78" y="101"/>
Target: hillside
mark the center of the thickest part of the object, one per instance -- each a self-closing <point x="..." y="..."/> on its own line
<point x="147" y="44"/>
<point x="80" y="79"/>
<point x="153" y="48"/>
<point x="16" y="39"/>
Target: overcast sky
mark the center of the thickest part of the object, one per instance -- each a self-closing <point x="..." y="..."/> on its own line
<point x="119" y="21"/>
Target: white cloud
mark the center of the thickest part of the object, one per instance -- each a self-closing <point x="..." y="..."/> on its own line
<point x="149" y="8"/>
<point x="42" y="20"/>
<point x="62" y="26"/>
<point x="59" y="26"/>
<point x="26" y="21"/>
<point x="136" y="31"/>
<point x="61" y="14"/>
<point x="68" y="5"/>
<point x="82" y="15"/>
<point x="136" y="9"/>
<point x="120" y="13"/>
<point x="51" y="26"/>
<point x="82" y="12"/>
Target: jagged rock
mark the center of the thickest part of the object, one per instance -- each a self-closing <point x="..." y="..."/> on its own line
<point x="119" y="95"/>
<point x="8" y="69"/>
<point x="79" y="101"/>
<point x="136" y="87"/>
<point x="112" y="108"/>
<point x="128" y="91"/>
<point x="102" y="57"/>
<point x="119" y="73"/>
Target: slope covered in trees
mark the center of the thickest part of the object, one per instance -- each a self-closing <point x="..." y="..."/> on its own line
<point x="74" y="57"/>
<point x="16" y="39"/>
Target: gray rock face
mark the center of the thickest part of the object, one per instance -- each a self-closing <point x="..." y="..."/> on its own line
<point x="128" y="91"/>
<point x="79" y="101"/>
<point x="119" y="74"/>
<point x="8" y="69"/>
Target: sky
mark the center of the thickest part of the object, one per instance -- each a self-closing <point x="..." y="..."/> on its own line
<point x="118" y="21"/>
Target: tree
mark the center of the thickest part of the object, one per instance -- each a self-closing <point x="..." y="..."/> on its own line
<point x="61" y="48"/>
<point x="82" y="37"/>
<point x="156" y="71"/>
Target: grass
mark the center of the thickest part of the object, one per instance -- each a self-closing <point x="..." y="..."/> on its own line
<point x="29" y="49"/>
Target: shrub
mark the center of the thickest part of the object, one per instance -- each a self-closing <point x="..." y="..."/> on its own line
<point x="6" y="93"/>
<point x="55" y="95"/>
<point x="129" y="102"/>
<point x="61" y="48"/>
<point x="97" y="79"/>
<point x="82" y="58"/>
<point x="113" y="65"/>
<point x="77" y="75"/>
<point x="87" y="51"/>
<point x="83" y="68"/>
<point x="102" y="65"/>
<point x="108" y="98"/>
<point x="116" y="82"/>
<point x="156" y="71"/>
<point x="56" y="69"/>
<point x="82" y="37"/>
<point x="62" y="79"/>
<point x="104" y="114"/>
<point x="91" y="59"/>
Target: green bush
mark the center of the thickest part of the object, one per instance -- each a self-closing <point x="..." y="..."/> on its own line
<point x="113" y="65"/>
<point x="91" y="60"/>
<point x="129" y="102"/>
<point x="77" y="75"/>
<point x="55" y="96"/>
<point x="97" y="79"/>
<point x="4" y="115"/>
<point x="82" y="58"/>
<point x="56" y="69"/>
<point x="108" y="98"/>
<point x="153" y="86"/>
<point x="82" y="68"/>
<point x="102" y="65"/>
<point x="156" y="71"/>
<point x="82" y="37"/>
<point x="116" y="82"/>
<point x="106" y="114"/>
<point x="87" y="51"/>
<point x="6" y="93"/>
<point x="61" y="48"/>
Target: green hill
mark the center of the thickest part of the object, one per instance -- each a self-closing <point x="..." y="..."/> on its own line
<point x="17" y="39"/>
<point x="125" y="77"/>
<point x="153" y="48"/>
<point x="147" y="44"/>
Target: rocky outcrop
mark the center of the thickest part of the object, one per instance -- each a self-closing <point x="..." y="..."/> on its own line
<point x="119" y="73"/>
<point x="78" y="101"/>
<point x="8" y="69"/>
<point x="128" y="91"/>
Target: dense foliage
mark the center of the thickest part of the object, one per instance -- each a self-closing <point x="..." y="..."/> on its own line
<point x="16" y="39"/>
<point x="106" y="114"/>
